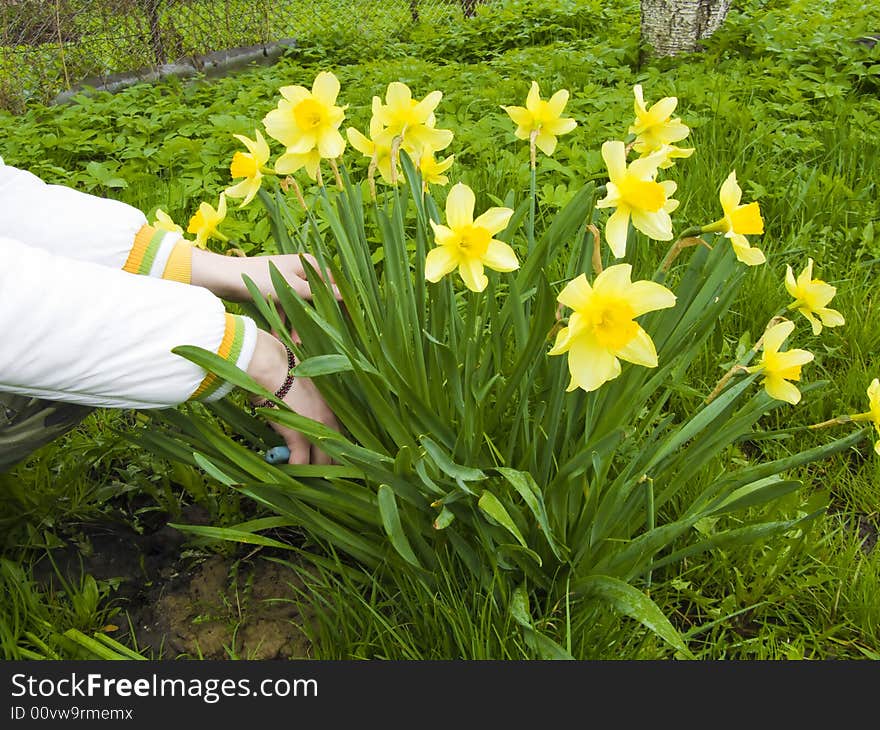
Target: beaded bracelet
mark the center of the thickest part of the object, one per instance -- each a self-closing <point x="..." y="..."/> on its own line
<point x="285" y="386"/>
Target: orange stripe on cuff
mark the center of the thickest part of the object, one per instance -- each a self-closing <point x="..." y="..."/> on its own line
<point x="223" y="351"/>
<point x="139" y="249"/>
<point x="179" y="266"/>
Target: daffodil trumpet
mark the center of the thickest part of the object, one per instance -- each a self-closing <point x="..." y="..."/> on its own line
<point x="740" y="369"/>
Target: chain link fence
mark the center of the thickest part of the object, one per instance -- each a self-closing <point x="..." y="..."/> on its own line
<point x="51" y="46"/>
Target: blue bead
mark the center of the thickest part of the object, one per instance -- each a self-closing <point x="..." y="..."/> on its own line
<point x="278" y="455"/>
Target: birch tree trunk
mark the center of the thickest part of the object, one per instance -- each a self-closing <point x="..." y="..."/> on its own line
<point x="677" y="26"/>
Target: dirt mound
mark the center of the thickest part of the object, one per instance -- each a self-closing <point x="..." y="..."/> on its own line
<point x="183" y="603"/>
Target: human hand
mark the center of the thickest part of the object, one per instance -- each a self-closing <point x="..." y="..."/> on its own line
<point x="269" y="368"/>
<point x="223" y="274"/>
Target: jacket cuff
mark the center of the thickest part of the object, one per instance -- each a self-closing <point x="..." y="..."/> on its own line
<point x="237" y="348"/>
<point x="160" y="253"/>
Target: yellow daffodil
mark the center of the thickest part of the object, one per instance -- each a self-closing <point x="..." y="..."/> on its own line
<point x="248" y="165"/>
<point x="655" y="127"/>
<point x="780" y="367"/>
<point x="873" y="414"/>
<point x="432" y="170"/>
<point x="411" y="120"/>
<point x="467" y="244"/>
<point x="205" y="221"/>
<point x="307" y="120"/>
<point x="163" y="221"/>
<point x="738" y="222"/>
<point x="377" y="147"/>
<point x="811" y="297"/>
<point x="602" y="329"/>
<point x="635" y="194"/>
<point x="670" y="153"/>
<point x="291" y="162"/>
<point x="543" y="118"/>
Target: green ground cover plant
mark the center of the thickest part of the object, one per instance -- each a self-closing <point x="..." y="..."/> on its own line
<point x="792" y="106"/>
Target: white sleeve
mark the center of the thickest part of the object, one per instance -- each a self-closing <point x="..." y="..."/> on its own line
<point x="87" y="227"/>
<point x="80" y="332"/>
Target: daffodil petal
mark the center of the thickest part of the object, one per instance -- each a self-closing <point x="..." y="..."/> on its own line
<point x="500" y="257"/>
<point x="591" y="365"/>
<point x="471" y="270"/>
<point x="639" y="350"/>
<point x="534" y="96"/>
<point x="615" y="281"/>
<point x="781" y="389"/>
<point x="656" y="225"/>
<point x="649" y="296"/>
<point x="519" y="114"/>
<point x="460" y="206"/>
<point x="617" y="230"/>
<point x="614" y="154"/>
<point x="557" y="102"/>
<point x="749" y="255"/>
<point x="560" y="126"/>
<point x="730" y="193"/>
<point x="494" y="220"/>
<point x="545" y="142"/>
<point x="576" y="293"/>
<point x="439" y="262"/>
<point x="831" y="317"/>
<point x="331" y="145"/>
<point x="775" y="335"/>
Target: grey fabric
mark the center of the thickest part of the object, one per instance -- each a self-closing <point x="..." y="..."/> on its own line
<point x="26" y="424"/>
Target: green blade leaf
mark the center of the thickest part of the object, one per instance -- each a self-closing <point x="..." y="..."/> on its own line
<point x="489" y="503"/>
<point x="629" y="601"/>
<point x="393" y="527"/>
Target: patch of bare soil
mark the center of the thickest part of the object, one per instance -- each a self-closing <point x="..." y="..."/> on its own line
<point x="222" y="610"/>
<point x="180" y="604"/>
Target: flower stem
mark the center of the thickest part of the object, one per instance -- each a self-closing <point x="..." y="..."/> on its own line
<point x="686" y="240"/>
<point x="395" y="156"/>
<point x="336" y="174"/>
<point x="736" y="369"/>
<point x="838" y="421"/>
<point x="597" y="250"/>
<point x="533" y="197"/>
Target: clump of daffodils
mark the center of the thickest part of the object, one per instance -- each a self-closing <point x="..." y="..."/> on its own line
<point x="404" y="123"/>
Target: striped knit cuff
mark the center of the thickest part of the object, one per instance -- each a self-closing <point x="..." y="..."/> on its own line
<point x="237" y="347"/>
<point x="160" y="253"/>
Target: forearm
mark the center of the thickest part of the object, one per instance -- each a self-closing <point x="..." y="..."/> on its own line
<point x="222" y="275"/>
<point x="83" y="333"/>
<point x="86" y="227"/>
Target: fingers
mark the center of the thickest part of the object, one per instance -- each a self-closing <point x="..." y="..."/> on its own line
<point x="327" y="279"/>
<point x="300" y="449"/>
<point x="319" y="457"/>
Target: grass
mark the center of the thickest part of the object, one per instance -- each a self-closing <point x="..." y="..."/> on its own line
<point x="791" y="105"/>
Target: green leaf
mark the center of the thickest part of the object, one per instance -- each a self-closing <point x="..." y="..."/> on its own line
<point x="545" y="647"/>
<point x="629" y="601"/>
<point x="489" y="503"/>
<point x="325" y="365"/>
<point x="393" y="527"/>
<point x="447" y="465"/>
<point x="213" y="470"/>
<point x="525" y="485"/>
<point x="230" y="534"/>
